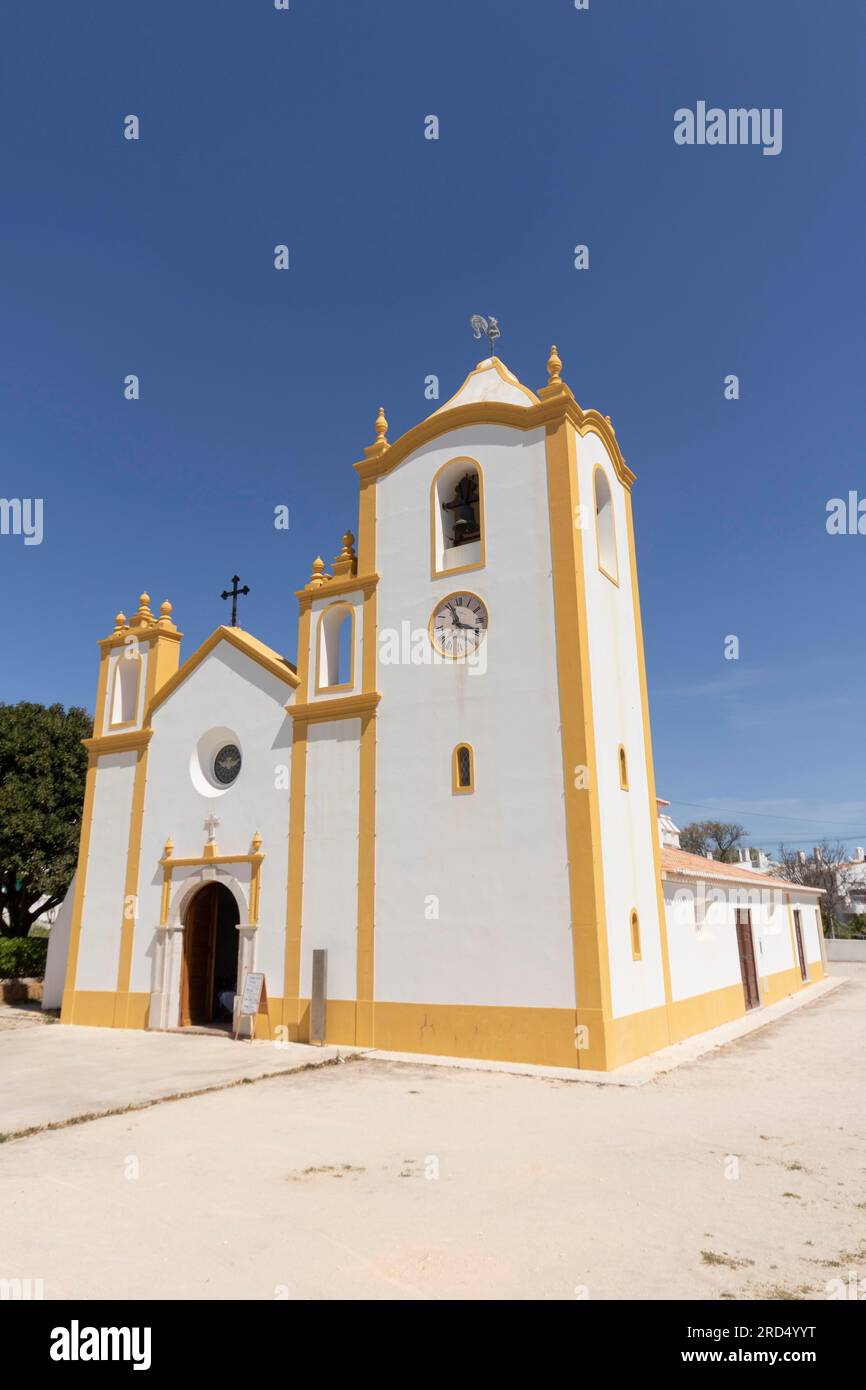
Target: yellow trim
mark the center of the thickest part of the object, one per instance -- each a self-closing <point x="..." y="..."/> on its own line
<point x="354" y="584"/>
<point x="118" y="743"/>
<point x="67" y="1008"/>
<point x="344" y="707"/>
<point x="634" y="924"/>
<point x="456" y="787"/>
<point x="243" y="642"/>
<point x="648" y="758"/>
<point x="297" y="817"/>
<point x="162" y="659"/>
<point x="623" y="768"/>
<point x="552" y="411"/>
<point x="101" y="1008"/>
<point x="614" y="578"/>
<point x="363" y="1021"/>
<point x="440" y="603"/>
<point x="434" y="507"/>
<point x="582" y="814"/>
<point x="343" y="685"/>
<point x="124" y="723"/>
<point x="494" y="1033"/>
<point x="364" y="986"/>
<point x="130" y="887"/>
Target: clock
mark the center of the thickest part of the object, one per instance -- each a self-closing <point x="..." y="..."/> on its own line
<point x="458" y="625"/>
<point x="227" y="764"/>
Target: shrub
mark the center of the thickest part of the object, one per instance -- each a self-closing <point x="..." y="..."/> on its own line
<point x="22" y="957"/>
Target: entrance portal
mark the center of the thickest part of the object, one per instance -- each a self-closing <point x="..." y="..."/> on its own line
<point x="210" y="957"/>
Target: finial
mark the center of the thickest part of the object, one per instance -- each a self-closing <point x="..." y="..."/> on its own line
<point x="168" y="851"/>
<point x="256" y="844"/>
<point x="318" y="577"/>
<point x="144" y="615"/>
<point x="165" y="616"/>
<point x="346" y="562"/>
<point x="381" y="426"/>
<point x="554" y="367"/>
<point x="120" y="624"/>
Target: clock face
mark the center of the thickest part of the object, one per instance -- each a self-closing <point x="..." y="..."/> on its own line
<point x="458" y="625"/>
<point x="227" y="764"/>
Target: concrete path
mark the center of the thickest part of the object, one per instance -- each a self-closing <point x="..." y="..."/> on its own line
<point x="51" y="1075"/>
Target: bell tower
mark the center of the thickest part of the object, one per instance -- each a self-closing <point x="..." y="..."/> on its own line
<point x="136" y="659"/>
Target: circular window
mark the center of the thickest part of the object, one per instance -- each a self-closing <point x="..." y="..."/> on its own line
<point x="216" y="761"/>
<point x="227" y="764"/>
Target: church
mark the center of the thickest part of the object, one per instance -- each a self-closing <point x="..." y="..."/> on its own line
<point x="436" y="831"/>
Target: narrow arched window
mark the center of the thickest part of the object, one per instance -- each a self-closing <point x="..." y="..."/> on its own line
<point x="635" y="937"/>
<point x="463" y="768"/>
<point x="605" y="530"/>
<point x="623" y="769"/>
<point x="124" y="695"/>
<point x="335" y="658"/>
<point x="457" y="517"/>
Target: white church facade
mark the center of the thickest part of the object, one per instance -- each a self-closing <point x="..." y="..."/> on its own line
<point x="451" y="793"/>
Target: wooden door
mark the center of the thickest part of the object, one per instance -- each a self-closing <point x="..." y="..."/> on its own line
<point x="801" y="952"/>
<point x="748" y="969"/>
<point x="199" y="939"/>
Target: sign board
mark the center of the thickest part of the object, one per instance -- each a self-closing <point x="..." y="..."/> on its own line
<point x="253" y="1002"/>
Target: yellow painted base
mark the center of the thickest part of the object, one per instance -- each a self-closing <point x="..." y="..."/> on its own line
<point x="544" y="1036"/>
<point x="498" y="1034"/>
<point x="98" y="1008"/>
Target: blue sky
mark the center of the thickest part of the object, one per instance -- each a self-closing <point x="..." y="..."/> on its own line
<point x="259" y="388"/>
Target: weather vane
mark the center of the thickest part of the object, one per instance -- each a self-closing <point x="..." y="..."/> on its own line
<point x="488" y="326"/>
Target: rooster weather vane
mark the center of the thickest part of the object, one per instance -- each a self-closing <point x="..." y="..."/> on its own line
<point x="488" y="326"/>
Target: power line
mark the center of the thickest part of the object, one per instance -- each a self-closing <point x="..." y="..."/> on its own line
<point x="761" y="815"/>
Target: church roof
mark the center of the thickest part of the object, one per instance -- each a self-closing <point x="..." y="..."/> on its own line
<point x="682" y="864"/>
<point x="490" y="381"/>
<point x="244" y="642"/>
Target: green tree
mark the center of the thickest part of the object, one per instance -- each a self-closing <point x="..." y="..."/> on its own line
<point x="42" y="775"/>
<point x="719" y="837"/>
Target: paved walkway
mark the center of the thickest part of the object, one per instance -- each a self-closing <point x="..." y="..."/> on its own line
<point x="53" y="1074"/>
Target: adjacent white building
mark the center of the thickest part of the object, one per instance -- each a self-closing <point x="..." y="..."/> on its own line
<point x="450" y="794"/>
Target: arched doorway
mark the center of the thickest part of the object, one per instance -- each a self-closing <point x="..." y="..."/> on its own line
<point x="210" y="957"/>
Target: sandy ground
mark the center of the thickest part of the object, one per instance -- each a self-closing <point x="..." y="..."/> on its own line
<point x="739" y="1175"/>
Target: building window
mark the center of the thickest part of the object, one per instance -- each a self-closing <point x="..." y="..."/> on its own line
<point x="623" y="769"/>
<point x="457" y="518"/>
<point x="463" y="769"/>
<point x="124" y="694"/>
<point x="635" y="937"/>
<point x="335" y="659"/>
<point x="605" y="531"/>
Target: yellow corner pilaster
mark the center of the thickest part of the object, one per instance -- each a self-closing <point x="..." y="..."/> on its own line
<point x="582" y="817"/>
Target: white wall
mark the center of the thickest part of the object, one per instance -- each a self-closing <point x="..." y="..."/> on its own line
<point x="330" y="901"/>
<point x="58" y="951"/>
<point x="102" y="915"/>
<point x="708" y="959"/>
<point x="494" y="863"/>
<point x="704" y="959"/>
<point x="231" y="690"/>
<point x="627" y="827"/>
